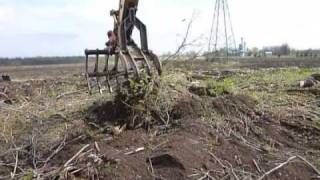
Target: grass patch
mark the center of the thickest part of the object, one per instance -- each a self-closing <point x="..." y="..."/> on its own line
<point x="268" y="87"/>
<point x="217" y="88"/>
<point x="317" y="124"/>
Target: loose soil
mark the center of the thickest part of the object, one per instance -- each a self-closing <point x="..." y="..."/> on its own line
<point x="231" y="136"/>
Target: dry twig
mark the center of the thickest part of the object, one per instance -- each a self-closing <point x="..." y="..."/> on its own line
<point x="68" y="94"/>
<point x="4" y="95"/>
<point x="257" y="165"/>
<point x="55" y="152"/>
<point x="97" y="146"/>
<point x="203" y="174"/>
<point x="287" y="162"/>
<point x="135" y="151"/>
<point x="278" y="167"/>
<point x="309" y="164"/>
<point x="15" y="166"/>
<point x="76" y="155"/>
<point x="224" y="166"/>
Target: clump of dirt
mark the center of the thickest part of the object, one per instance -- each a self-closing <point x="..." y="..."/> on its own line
<point x="111" y="112"/>
<point x="167" y="166"/>
<point x="203" y="91"/>
<point x="316" y="77"/>
<point x="235" y="105"/>
<point x="298" y="125"/>
<point x="187" y="107"/>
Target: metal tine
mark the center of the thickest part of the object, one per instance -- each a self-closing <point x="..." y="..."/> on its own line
<point x="96" y="66"/>
<point x="146" y="63"/>
<point x="87" y="74"/>
<point x="106" y="66"/>
<point x="106" y="69"/>
<point x="133" y="64"/>
<point x="96" y="69"/>
<point x="124" y="63"/>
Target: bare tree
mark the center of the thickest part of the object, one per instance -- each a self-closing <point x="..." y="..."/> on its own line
<point x="184" y="43"/>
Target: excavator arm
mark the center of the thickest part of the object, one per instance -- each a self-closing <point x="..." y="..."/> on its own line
<point x="126" y="19"/>
<point x="134" y="59"/>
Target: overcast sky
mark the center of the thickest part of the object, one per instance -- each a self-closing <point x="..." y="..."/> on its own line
<point x="67" y="27"/>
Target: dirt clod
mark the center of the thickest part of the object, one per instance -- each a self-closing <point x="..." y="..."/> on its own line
<point x="167" y="166"/>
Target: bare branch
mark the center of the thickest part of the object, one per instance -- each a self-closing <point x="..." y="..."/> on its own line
<point x="309" y="164"/>
<point x="15" y="166"/>
<point x="76" y="155"/>
<point x="184" y="40"/>
<point x="278" y="167"/>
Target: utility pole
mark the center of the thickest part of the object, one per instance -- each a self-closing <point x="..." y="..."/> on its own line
<point x="222" y="39"/>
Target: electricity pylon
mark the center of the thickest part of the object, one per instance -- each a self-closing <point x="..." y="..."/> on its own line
<point x="222" y="40"/>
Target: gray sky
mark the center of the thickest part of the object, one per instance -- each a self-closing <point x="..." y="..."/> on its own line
<point x="67" y="27"/>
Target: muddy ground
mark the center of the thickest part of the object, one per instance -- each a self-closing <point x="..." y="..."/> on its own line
<point x="238" y="124"/>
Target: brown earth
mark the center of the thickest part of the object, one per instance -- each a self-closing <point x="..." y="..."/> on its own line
<point x="224" y="137"/>
<point x="196" y="148"/>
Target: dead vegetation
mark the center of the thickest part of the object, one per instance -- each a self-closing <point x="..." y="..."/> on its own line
<point x="236" y="124"/>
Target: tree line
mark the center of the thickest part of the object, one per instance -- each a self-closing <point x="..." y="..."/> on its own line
<point x="40" y="61"/>
<point x="283" y="50"/>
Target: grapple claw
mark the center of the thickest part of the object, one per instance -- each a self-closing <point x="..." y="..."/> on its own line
<point x="129" y="59"/>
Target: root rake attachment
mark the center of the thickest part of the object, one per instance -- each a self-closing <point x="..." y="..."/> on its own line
<point x="129" y="60"/>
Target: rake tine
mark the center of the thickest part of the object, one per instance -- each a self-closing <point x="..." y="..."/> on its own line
<point x="106" y="69"/>
<point x="133" y="65"/>
<point x="157" y="63"/>
<point x="146" y="62"/>
<point x="88" y="83"/>
<point x="96" y="66"/>
<point x="124" y="63"/>
<point x="96" y="69"/>
<point x="87" y="59"/>
<point x="87" y="75"/>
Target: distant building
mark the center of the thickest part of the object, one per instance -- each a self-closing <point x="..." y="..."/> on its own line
<point x="308" y="53"/>
<point x="242" y="48"/>
<point x="268" y="53"/>
<point x="282" y="50"/>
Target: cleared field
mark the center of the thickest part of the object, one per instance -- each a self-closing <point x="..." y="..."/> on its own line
<point x="210" y="120"/>
<point x="249" y="63"/>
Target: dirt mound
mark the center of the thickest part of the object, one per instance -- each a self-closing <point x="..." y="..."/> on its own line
<point x="188" y="107"/>
<point x="283" y="129"/>
<point x="199" y="136"/>
<point x="103" y="113"/>
<point x="242" y="147"/>
<point x="297" y="125"/>
<point x="199" y="90"/>
<point x="146" y="108"/>
<point x="235" y="105"/>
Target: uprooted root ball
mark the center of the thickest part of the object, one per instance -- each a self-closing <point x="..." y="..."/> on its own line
<point x="136" y="104"/>
<point x="146" y="104"/>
